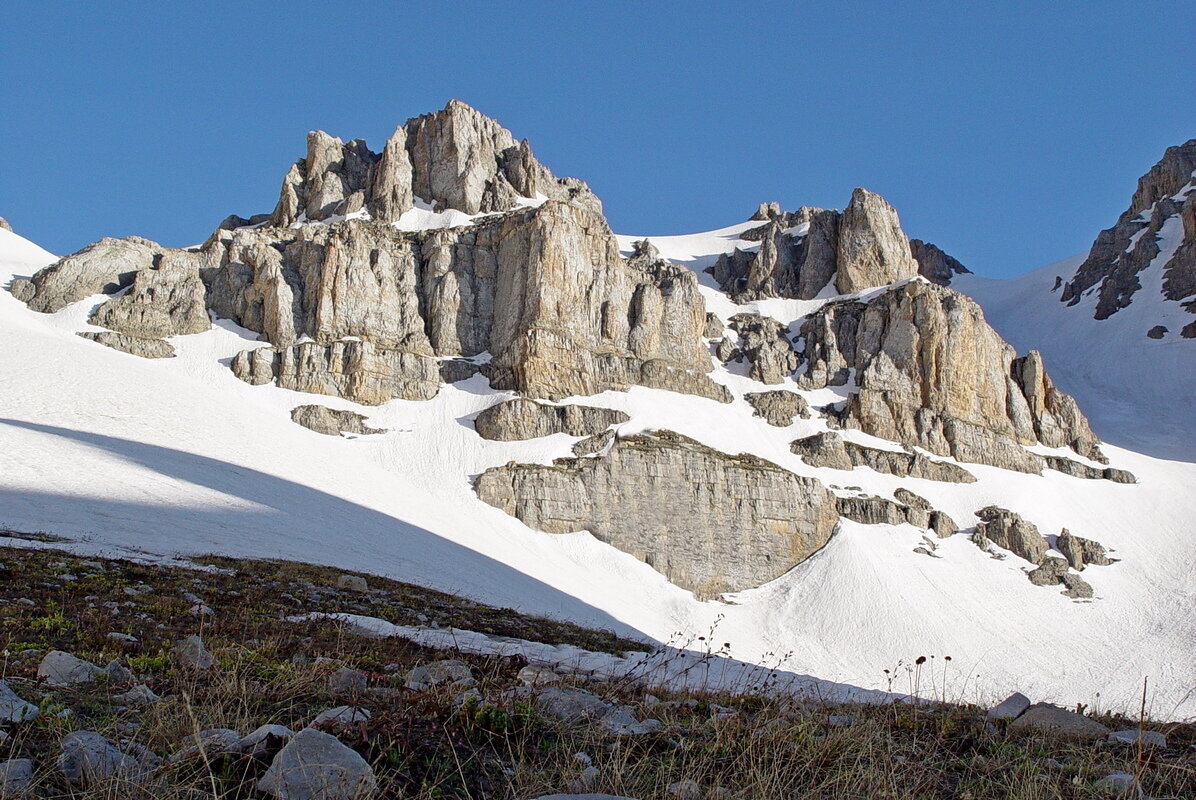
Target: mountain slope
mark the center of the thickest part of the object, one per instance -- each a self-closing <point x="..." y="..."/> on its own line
<point x="178" y="455"/>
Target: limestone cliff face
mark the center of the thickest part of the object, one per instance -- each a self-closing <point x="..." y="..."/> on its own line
<point x="930" y="372"/>
<point x="709" y="521"/>
<point x="1166" y="196"/>
<point x="454" y="158"/>
<point x="802" y="252"/>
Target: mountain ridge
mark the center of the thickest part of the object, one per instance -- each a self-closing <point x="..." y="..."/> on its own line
<point x="418" y="474"/>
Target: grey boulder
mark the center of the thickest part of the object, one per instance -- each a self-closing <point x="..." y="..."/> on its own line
<point x="63" y="669"/>
<point x="315" y="766"/>
<point x="13" y="708"/>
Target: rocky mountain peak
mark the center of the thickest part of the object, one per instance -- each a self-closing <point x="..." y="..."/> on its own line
<point x="802" y="252"/>
<point x="455" y="158"/>
<point x="1158" y="230"/>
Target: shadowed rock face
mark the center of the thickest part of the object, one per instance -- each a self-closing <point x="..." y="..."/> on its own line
<point x="801" y="253"/>
<point x="710" y="522"/>
<point x="1164" y="197"/>
<point x="932" y="373"/>
<point x="934" y="265"/>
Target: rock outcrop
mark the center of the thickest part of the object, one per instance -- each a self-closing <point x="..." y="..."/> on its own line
<point x="762" y="341"/>
<point x="332" y="421"/>
<point x="544" y="291"/>
<point x="1081" y="552"/>
<point x="1163" y="207"/>
<point x="1077" y="470"/>
<point x="934" y="265"/>
<point x="710" y="522"/>
<point x="167" y="299"/>
<point x="828" y="449"/>
<point x="778" y="407"/>
<point x="802" y="252"/>
<point x="1008" y="530"/>
<point x="133" y="345"/>
<point x="518" y="419"/>
<point x="355" y="370"/>
<point x="455" y="158"/>
<point x="106" y="266"/>
<point x="931" y="373"/>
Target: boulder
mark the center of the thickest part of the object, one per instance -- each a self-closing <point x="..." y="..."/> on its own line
<point x="13" y="709"/>
<point x="1011" y="707"/>
<point x="1043" y="718"/>
<point x="348" y="682"/>
<point x="1136" y="736"/>
<point x="16" y="774"/>
<point x="139" y="696"/>
<point x="339" y="718"/>
<point x="86" y="757"/>
<point x="211" y="744"/>
<point x="191" y="654"/>
<point x="354" y="583"/>
<point x="439" y="673"/>
<point x="265" y="739"/>
<point x="315" y="766"/>
<point x="63" y="669"/>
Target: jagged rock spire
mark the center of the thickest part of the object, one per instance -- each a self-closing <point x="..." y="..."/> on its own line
<point x="454" y="158"/>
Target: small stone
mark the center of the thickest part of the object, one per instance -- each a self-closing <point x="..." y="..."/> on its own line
<point x="1010" y="708"/>
<point x="438" y="673"/>
<point x="87" y="757"/>
<point x="13" y="708"/>
<point x="315" y="766"/>
<point x="63" y="669"/>
<point x="347" y="681"/>
<point x="265" y="739"/>
<point x="123" y="639"/>
<point x="686" y="790"/>
<point x="211" y="744"/>
<point x="201" y="610"/>
<point x="585" y="780"/>
<point x="192" y="654"/>
<point x="339" y="717"/>
<point x="1135" y="736"/>
<point x="840" y="721"/>
<point x="621" y="722"/>
<point x="1120" y="784"/>
<point x="139" y="696"/>
<point x="16" y="778"/>
<point x="118" y="672"/>
<point x="354" y="583"/>
<point x="538" y="676"/>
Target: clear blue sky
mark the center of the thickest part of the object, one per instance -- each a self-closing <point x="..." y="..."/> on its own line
<point x="1008" y="136"/>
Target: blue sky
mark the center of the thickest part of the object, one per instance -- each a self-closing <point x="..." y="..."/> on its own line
<point x="1008" y="136"/>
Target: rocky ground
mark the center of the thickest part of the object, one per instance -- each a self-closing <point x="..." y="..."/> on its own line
<point x="132" y="680"/>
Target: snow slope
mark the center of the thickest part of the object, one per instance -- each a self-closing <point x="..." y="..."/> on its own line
<point x="178" y="456"/>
